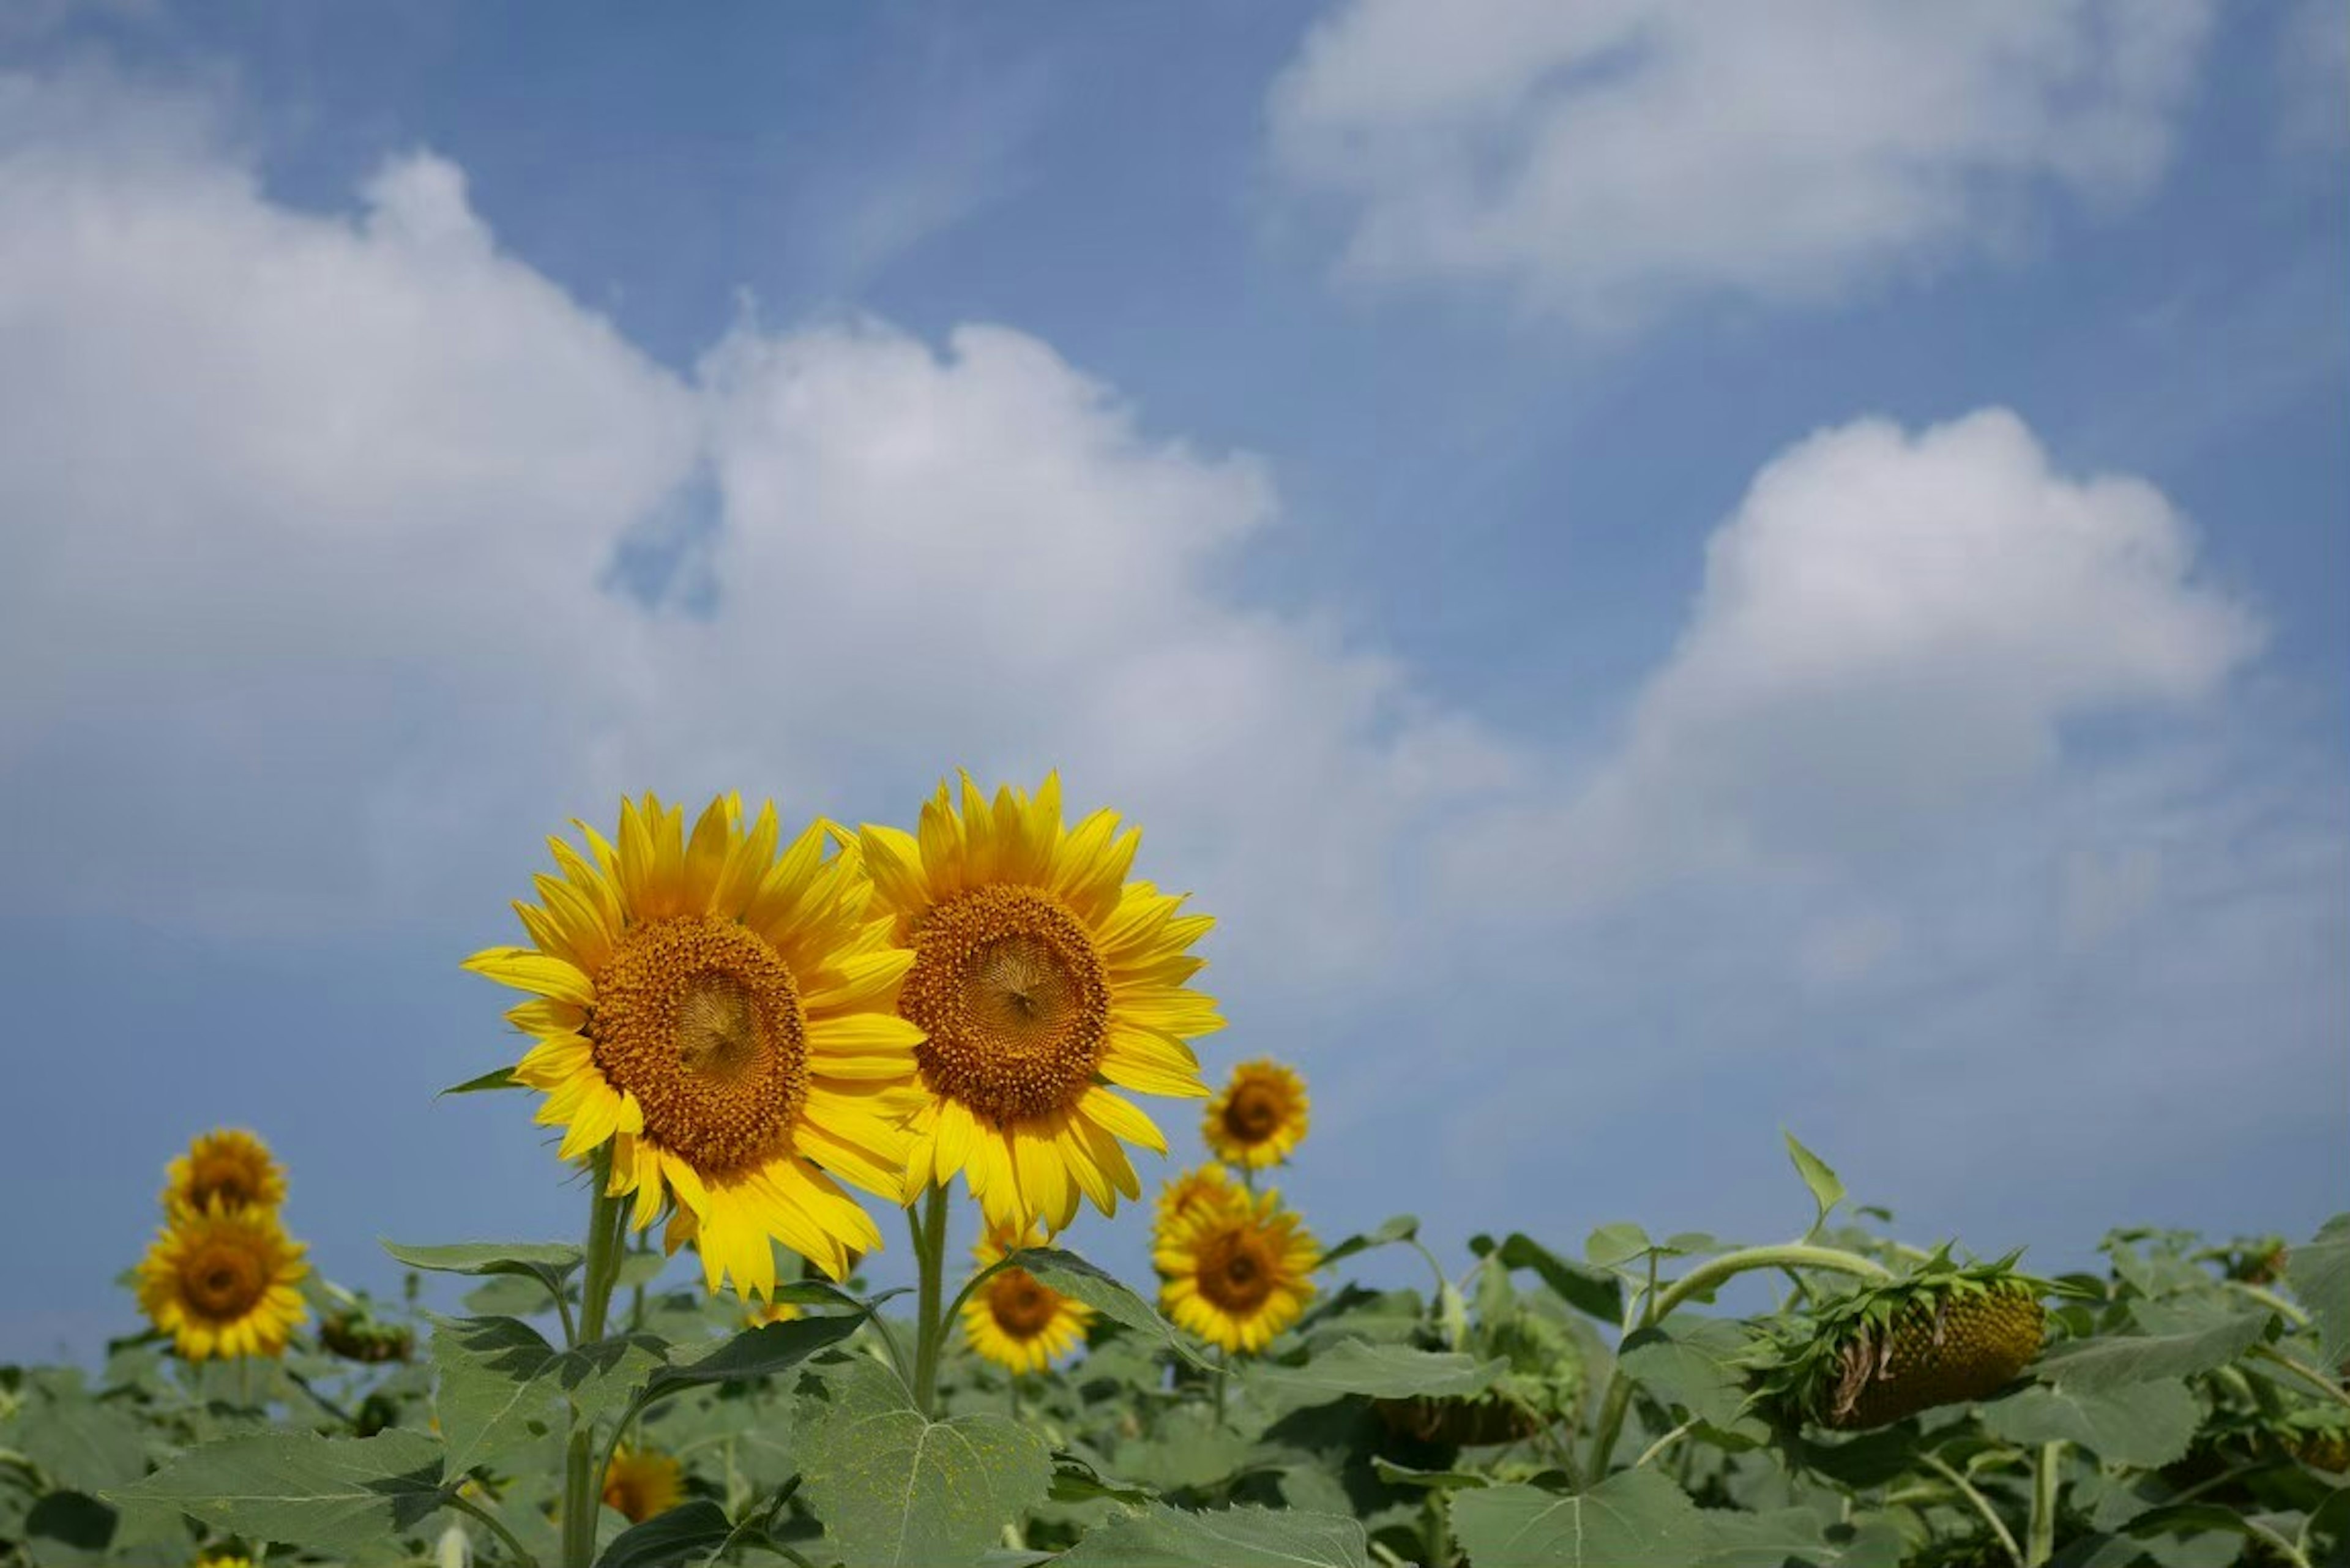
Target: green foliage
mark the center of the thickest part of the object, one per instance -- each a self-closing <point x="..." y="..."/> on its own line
<point x="1530" y="1408"/>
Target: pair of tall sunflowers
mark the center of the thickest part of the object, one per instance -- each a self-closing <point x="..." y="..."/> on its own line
<point x="221" y="1275"/>
<point x="734" y="1026"/>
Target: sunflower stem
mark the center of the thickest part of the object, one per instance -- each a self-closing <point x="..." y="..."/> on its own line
<point x="1705" y="1277"/>
<point x="2040" y="1543"/>
<point x="581" y="1494"/>
<point x="1982" y="1505"/>
<point x="929" y="1256"/>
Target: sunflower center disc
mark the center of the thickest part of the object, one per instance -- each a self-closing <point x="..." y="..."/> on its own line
<point x="1253" y="1115"/>
<point x="225" y="1178"/>
<point x="1235" y="1273"/>
<point x="1015" y="999"/>
<point x="1022" y="1308"/>
<point x="698" y="1018"/>
<point x="223" y="1281"/>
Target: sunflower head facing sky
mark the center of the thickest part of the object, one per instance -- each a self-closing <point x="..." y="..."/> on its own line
<point x="1236" y="1275"/>
<point x="722" y="1013"/>
<point x="223" y="1282"/>
<point x="227" y="1164"/>
<point x="1259" y="1118"/>
<point x="1016" y="1320"/>
<point x="1044" y="982"/>
<point x="640" y="1483"/>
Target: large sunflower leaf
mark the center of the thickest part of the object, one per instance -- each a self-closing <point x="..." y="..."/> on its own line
<point x="1073" y="1276"/>
<point x="1164" y="1537"/>
<point x="1583" y="1286"/>
<point x="1698" y="1364"/>
<point x="548" y="1262"/>
<point x="1634" y="1519"/>
<point x="894" y="1489"/>
<point x="1396" y="1228"/>
<point x="500" y="1380"/>
<point x="756" y="1353"/>
<point x="1380" y="1371"/>
<point x="81" y="1442"/>
<point x="2112" y="1361"/>
<point x="683" y="1534"/>
<point x="344" y="1495"/>
<point x="2142" y="1424"/>
<point x="2319" y="1272"/>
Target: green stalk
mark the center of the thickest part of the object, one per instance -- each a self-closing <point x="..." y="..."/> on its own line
<point x="2040" y="1544"/>
<point x="1705" y="1277"/>
<point x="1982" y="1505"/>
<point x="582" y="1494"/>
<point x="930" y="1255"/>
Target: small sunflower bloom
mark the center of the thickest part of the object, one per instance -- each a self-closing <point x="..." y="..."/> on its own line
<point x="1259" y="1118"/>
<point x="1044" y="982"/>
<point x="1237" y="1276"/>
<point x="223" y="1282"/>
<point x="723" y="1016"/>
<point x="228" y="1164"/>
<point x="640" y="1483"/>
<point x="1208" y="1188"/>
<point x="1016" y="1320"/>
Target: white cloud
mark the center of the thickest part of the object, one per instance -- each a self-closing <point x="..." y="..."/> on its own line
<point x="1893" y="629"/>
<point x="305" y="604"/>
<point x="1605" y="160"/>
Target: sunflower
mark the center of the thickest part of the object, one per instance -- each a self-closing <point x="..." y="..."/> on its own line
<point x="1041" y="976"/>
<point x="221" y="1282"/>
<point x="1236" y="1275"/>
<point x="1208" y="1187"/>
<point x="774" y="1312"/>
<point x="229" y="1164"/>
<point x="1016" y="1320"/>
<point x="1259" y="1118"/>
<point x="725" y="1018"/>
<point x="642" y="1484"/>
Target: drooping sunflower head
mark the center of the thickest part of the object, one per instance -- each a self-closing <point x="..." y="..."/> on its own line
<point x="1042" y="981"/>
<point x="223" y="1281"/>
<point x="228" y="1164"/>
<point x="1208" y="1187"/>
<point x="355" y="1335"/>
<point x="1943" y="1334"/>
<point x="640" y="1483"/>
<point x="1236" y="1275"/>
<point x="1259" y="1118"/>
<point x="1015" y="1319"/>
<point x="723" y="1016"/>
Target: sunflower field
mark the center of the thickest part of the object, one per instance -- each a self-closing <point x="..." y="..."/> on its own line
<point x="750" y="1045"/>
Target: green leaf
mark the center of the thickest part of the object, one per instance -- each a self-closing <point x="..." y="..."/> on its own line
<point x="895" y="1488"/>
<point x="1736" y="1540"/>
<point x="1588" y="1289"/>
<point x="82" y="1443"/>
<point x="1399" y="1228"/>
<point x="1828" y="1190"/>
<point x="1075" y="1481"/>
<point x="345" y="1496"/>
<point x="1388" y="1470"/>
<point x="548" y="1262"/>
<point x="1164" y="1537"/>
<point x="71" y="1520"/>
<point x="2142" y="1424"/>
<point x="1634" y="1519"/>
<point x="756" y="1353"/>
<point x="491" y="1385"/>
<point x="1187" y="1448"/>
<point x="669" y="1540"/>
<point x="496" y="1078"/>
<point x="2319" y="1272"/>
<point x="1699" y="1364"/>
<point x="2111" y="1361"/>
<point x="1073" y="1276"/>
<point x="1381" y="1371"/>
<point x="1611" y="1245"/>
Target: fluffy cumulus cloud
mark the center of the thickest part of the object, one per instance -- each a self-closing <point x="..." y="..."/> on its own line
<point x="309" y="607"/>
<point x="1605" y="160"/>
<point x="1894" y="629"/>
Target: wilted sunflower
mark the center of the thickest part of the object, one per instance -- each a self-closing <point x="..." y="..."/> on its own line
<point x="726" y="1019"/>
<point x="1041" y="976"/>
<point x="1016" y="1320"/>
<point x="1208" y="1187"/>
<point x="642" y="1484"/>
<point x="1236" y="1275"/>
<point x="228" y="1164"/>
<point x="1943" y="1334"/>
<point x="221" y="1282"/>
<point x="1259" y="1118"/>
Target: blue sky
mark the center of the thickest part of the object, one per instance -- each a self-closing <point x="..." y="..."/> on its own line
<point x="1663" y="583"/>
